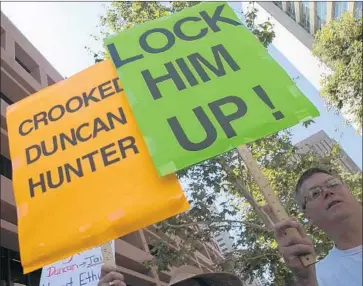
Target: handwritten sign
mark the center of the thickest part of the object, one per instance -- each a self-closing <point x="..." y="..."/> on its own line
<point x="199" y="84"/>
<point x="78" y="270"/>
<point x="82" y="175"/>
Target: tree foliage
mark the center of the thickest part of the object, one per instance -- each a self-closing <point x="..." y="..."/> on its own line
<point x="255" y="251"/>
<point x="339" y="45"/>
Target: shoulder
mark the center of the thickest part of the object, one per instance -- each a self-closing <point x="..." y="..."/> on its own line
<point x="340" y="268"/>
<point x="324" y="269"/>
<point x="326" y="262"/>
<point x="325" y="266"/>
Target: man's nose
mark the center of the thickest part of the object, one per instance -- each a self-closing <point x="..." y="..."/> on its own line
<point x="327" y="192"/>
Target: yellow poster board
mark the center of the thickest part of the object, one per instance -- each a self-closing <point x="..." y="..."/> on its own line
<point x="82" y="174"/>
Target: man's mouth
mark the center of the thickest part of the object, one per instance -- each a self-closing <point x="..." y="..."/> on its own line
<point x="333" y="203"/>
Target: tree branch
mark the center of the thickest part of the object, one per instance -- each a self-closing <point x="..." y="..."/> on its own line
<point x="253" y="225"/>
<point x="264" y="255"/>
<point x="239" y="185"/>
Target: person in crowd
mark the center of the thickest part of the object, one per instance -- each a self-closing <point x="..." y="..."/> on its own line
<point x="328" y="204"/>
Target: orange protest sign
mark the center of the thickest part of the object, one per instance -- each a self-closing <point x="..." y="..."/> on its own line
<point x="82" y="174"/>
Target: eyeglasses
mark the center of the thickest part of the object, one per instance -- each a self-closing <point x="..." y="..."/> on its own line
<point x="315" y="192"/>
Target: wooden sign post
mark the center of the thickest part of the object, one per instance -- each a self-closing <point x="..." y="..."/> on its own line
<point x="270" y="197"/>
<point x="107" y="254"/>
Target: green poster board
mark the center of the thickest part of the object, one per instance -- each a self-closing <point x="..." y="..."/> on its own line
<point x="199" y="84"/>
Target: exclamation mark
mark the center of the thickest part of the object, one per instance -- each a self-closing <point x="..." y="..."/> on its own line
<point x="262" y="94"/>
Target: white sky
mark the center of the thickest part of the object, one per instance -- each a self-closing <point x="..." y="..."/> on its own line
<point x="61" y="30"/>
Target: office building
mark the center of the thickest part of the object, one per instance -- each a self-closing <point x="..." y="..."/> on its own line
<point x="224" y="242"/>
<point x="321" y="143"/>
<point x="304" y="18"/>
<point x="24" y="71"/>
<point x="222" y="238"/>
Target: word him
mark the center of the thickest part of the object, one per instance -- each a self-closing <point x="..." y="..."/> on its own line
<point x="197" y="61"/>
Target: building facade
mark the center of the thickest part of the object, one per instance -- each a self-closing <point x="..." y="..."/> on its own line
<point x="222" y="239"/>
<point x="224" y="242"/>
<point x="321" y="144"/>
<point x="304" y="18"/>
<point x="23" y="72"/>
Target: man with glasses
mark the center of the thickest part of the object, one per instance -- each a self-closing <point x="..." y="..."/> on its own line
<point x="182" y="276"/>
<point x="328" y="204"/>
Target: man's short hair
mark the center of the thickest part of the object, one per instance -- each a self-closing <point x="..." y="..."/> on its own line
<point x="306" y="175"/>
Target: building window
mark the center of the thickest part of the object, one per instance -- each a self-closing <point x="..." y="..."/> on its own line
<point x="12" y="271"/>
<point x="344" y="165"/>
<point x="339" y="8"/>
<point x="278" y="3"/>
<point x="321" y="14"/>
<point x="6" y="99"/>
<point x="27" y="62"/>
<point x="4" y="269"/>
<point x="290" y="9"/>
<point x="328" y="148"/>
<point x="6" y="169"/>
<point x="215" y="245"/>
<point x="358" y="9"/>
<point x="50" y="80"/>
<point x="22" y="65"/>
<point x="305" y="15"/>
<point x="3" y="38"/>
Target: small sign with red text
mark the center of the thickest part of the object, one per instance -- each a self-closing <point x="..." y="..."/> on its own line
<point x="78" y="270"/>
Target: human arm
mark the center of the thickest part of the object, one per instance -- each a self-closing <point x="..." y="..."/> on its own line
<point x="292" y="247"/>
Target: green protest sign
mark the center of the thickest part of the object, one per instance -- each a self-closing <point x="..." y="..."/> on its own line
<point x="199" y="84"/>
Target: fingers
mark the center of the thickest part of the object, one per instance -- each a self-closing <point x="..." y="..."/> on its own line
<point x="114" y="283"/>
<point x="118" y="283"/>
<point x="106" y="268"/>
<point x="293" y="244"/>
<point x="112" y="276"/>
<point x="295" y="251"/>
<point x="109" y="273"/>
<point x="297" y="240"/>
<point x="282" y="226"/>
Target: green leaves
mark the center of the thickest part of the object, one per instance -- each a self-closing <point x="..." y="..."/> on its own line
<point x="308" y="122"/>
<point x="339" y="45"/>
<point x="264" y="31"/>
